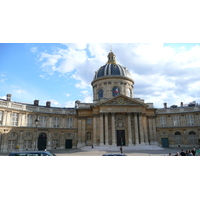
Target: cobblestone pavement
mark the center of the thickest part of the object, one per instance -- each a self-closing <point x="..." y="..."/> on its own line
<point x="88" y="151"/>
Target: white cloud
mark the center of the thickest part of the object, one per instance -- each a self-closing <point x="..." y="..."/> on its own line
<point x="55" y="103"/>
<point x="69" y="104"/>
<point x="33" y="49"/>
<point x="68" y="95"/>
<point x="19" y="91"/>
<point x="161" y="73"/>
<point x="3" y="97"/>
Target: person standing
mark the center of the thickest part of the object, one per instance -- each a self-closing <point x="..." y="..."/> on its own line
<point x="190" y="153"/>
<point x="193" y="151"/>
<point x="182" y="153"/>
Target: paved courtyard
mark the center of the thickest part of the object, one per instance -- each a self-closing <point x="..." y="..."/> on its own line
<point x="129" y="151"/>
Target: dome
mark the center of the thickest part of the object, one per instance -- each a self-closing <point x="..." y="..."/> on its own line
<point x="111" y="68"/>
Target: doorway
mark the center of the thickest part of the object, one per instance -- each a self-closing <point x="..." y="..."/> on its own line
<point x="42" y="141"/>
<point x="68" y="144"/>
<point x="121" y="138"/>
<point x="165" y="142"/>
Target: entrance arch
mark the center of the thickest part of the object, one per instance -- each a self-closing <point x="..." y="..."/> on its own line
<point x="42" y="141"/>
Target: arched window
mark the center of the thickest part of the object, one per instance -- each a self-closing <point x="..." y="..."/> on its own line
<point x="192" y="137"/>
<point x="115" y="91"/>
<point x="178" y="138"/>
<point x="100" y="93"/>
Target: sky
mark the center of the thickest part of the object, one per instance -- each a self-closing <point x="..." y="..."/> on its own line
<point x="62" y="72"/>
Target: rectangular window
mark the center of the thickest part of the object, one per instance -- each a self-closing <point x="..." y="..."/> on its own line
<point x="56" y="122"/>
<point x="162" y="121"/>
<point x="190" y="120"/>
<point x="27" y="144"/>
<point x="14" y="119"/>
<point x="29" y="120"/>
<point x="1" y="117"/>
<point x="11" y="144"/>
<point x="89" y="120"/>
<point x="176" y="120"/>
<point x="69" y="121"/>
<point x="43" y="121"/>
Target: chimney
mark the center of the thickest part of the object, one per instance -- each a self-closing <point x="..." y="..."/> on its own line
<point x="8" y="97"/>
<point x="36" y="102"/>
<point x="48" y="104"/>
<point x="181" y="104"/>
<point x="165" y="105"/>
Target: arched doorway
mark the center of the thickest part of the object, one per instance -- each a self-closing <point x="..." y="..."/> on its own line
<point x="42" y="141"/>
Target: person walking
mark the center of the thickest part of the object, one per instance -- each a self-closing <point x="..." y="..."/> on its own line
<point x="121" y="149"/>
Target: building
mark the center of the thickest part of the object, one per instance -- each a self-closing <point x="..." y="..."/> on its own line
<point x="115" y="118"/>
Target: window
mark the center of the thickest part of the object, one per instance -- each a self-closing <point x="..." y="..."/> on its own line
<point x="29" y="120"/>
<point x="69" y="121"/>
<point x="1" y="117"/>
<point x="43" y="121"/>
<point x="176" y="120"/>
<point x="163" y="121"/>
<point x="11" y="144"/>
<point x="89" y="120"/>
<point x="115" y="91"/>
<point x="100" y="93"/>
<point x="177" y="138"/>
<point x="56" y="122"/>
<point x="14" y="119"/>
<point x="27" y="144"/>
<point x="190" y="120"/>
<point x="89" y="136"/>
<point x="55" y="143"/>
<point x="192" y="137"/>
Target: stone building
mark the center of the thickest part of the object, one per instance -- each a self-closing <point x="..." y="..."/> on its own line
<point x="115" y="118"/>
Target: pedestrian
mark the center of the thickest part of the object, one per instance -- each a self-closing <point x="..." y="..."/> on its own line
<point x="182" y="153"/>
<point x="190" y="153"/>
<point x="92" y="147"/>
<point x="170" y="154"/>
<point x="187" y="151"/>
<point x="177" y="154"/>
<point x="121" y="149"/>
<point x="193" y="151"/>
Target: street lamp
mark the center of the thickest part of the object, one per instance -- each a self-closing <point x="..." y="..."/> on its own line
<point x="36" y="124"/>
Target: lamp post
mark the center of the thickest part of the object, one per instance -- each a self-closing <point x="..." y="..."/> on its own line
<point x="36" y="124"/>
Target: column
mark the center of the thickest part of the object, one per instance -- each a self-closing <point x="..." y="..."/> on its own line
<point x="101" y="130"/>
<point x="83" y="139"/>
<point x="49" y="147"/>
<point x="150" y="132"/>
<point x="141" y="130"/>
<point x="79" y="133"/>
<point x="136" y="129"/>
<point x="21" y="141"/>
<point x="144" y="121"/>
<point x="94" y="137"/>
<point x="4" y="118"/>
<point x="4" y="142"/>
<point x="130" y="141"/>
<point x="154" y="131"/>
<point x="19" y="120"/>
<point x="113" y="130"/>
<point x="106" y="129"/>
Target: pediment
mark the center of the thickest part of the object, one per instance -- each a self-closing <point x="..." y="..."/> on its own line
<point x="122" y="100"/>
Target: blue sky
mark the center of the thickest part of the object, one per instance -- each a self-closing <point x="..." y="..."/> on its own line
<point x="62" y="73"/>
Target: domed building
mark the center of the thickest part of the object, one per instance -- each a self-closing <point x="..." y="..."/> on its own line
<point x="115" y="118"/>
